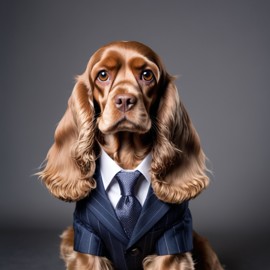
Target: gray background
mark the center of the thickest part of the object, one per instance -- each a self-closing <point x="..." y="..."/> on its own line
<point x="219" y="49"/>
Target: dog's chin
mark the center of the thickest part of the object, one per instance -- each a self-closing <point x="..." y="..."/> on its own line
<point x="125" y="125"/>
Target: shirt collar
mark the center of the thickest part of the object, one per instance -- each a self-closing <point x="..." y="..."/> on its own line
<point x="109" y="168"/>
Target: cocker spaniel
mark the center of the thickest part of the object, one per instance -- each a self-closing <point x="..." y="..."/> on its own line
<point x="125" y="106"/>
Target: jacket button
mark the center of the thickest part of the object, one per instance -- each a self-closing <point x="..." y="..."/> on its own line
<point x="134" y="252"/>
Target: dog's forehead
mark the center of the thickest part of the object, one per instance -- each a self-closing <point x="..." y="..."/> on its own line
<point x="120" y="52"/>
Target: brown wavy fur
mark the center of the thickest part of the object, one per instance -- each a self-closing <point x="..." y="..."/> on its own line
<point x="71" y="159"/>
<point x="178" y="167"/>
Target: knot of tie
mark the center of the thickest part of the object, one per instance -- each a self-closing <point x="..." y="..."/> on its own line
<point x="127" y="182"/>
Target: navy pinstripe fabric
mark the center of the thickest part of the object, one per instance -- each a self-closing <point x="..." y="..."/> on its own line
<point x="161" y="229"/>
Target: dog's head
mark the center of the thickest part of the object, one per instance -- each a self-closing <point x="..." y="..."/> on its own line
<point x="126" y="89"/>
<point x="124" y="77"/>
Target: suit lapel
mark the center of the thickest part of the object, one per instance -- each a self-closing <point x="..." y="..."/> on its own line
<point x="153" y="210"/>
<point x="101" y="207"/>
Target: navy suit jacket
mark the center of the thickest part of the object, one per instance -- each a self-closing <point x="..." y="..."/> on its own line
<point x="161" y="229"/>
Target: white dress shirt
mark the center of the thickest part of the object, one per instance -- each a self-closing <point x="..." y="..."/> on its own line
<point x="109" y="168"/>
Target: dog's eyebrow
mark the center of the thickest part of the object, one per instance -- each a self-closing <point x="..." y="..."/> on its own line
<point x="110" y="61"/>
<point x="138" y="63"/>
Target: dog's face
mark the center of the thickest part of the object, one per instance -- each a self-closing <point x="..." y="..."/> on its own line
<point x="124" y="78"/>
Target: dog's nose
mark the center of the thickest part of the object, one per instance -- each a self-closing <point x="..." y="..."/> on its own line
<point x="125" y="102"/>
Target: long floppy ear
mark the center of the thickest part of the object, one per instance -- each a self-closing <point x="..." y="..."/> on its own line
<point x="178" y="164"/>
<point x="70" y="162"/>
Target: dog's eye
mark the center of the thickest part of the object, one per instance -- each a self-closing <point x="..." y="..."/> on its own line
<point x="147" y="75"/>
<point x="103" y="76"/>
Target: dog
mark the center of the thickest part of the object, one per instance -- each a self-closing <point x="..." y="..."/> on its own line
<point x="124" y="114"/>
